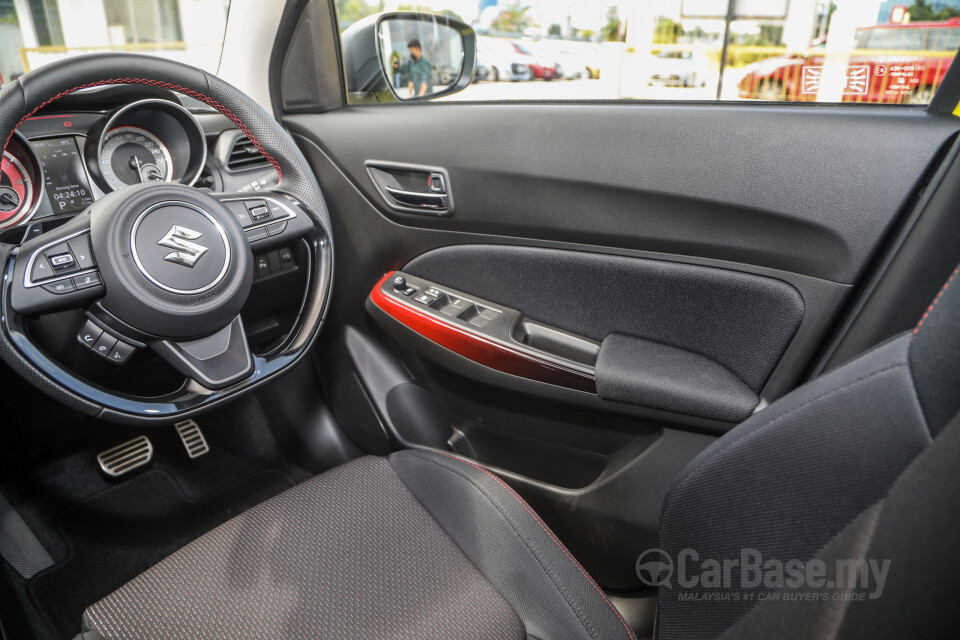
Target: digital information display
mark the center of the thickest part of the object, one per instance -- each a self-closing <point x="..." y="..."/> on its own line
<point x="65" y="178"/>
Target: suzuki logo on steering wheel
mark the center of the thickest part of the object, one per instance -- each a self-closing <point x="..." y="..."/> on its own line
<point x="185" y="252"/>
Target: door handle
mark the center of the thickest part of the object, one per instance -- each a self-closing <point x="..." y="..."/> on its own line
<point x="433" y="201"/>
<point x="412" y="188"/>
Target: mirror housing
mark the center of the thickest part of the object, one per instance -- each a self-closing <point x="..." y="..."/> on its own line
<point x="365" y="60"/>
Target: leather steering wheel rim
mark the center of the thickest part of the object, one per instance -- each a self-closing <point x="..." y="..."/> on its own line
<point x="33" y="91"/>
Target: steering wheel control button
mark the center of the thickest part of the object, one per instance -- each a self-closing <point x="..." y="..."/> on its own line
<point x="60" y="287"/>
<point x="276" y="228"/>
<point x="62" y="262"/>
<point x="257" y="234"/>
<point x="104" y="345"/>
<point x="80" y="247"/>
<point x="239" y="211"/>
<point x="262" y="265"/>
<point x="180" y="248"/>
<point x="121" y="352"/>
<point x="259" y="211"/>
<point x="89" y="334"/>
<point x="286" y="257"/>
<point x="87" y="280"/>
<point x="41" y="268"/>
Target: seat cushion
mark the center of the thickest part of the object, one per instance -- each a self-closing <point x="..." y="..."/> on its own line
<point x="353" y="553"/>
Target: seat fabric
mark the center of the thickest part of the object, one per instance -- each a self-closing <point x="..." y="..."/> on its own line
<point x="811" y="478"/>
<point x="354" y="553"/>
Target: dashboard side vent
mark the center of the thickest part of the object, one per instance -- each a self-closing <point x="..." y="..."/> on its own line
<point x="244" y="155"/>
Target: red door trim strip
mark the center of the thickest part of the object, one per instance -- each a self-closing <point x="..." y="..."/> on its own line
<point x="478" y="349"/>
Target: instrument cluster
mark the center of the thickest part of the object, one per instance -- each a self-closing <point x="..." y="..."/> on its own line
<point x="61" y="164"/>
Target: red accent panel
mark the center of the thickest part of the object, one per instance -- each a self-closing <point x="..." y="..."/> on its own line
<point x="480" y="350"/>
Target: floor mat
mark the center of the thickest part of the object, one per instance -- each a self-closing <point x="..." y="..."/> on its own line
<point x="115" y="535"/>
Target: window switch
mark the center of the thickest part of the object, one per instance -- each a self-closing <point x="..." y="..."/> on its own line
<point x="425" y="298"/>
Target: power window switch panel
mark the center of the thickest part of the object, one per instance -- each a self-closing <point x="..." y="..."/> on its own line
<point x="455" y="306"/>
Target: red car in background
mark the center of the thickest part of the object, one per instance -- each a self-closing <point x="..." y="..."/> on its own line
<point x="890" y="63"/>
<point x="541" y="68"/>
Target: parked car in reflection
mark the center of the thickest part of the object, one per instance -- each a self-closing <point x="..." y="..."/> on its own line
<point x="502" y="59"/>
<point x="680" y="68"/>
<point x="889" y="63"/>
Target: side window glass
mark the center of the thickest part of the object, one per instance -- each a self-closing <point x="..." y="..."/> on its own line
<point x="846" y="51"/>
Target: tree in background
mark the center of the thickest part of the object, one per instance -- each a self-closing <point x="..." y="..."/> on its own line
<point x="512" y="20"/>
<point x="667" y="31"/>
<point x="450" y="13"/>
<point x="554" y="30"/>
<point x="611" y="31"/>
<point x="920" y="11"/>
<point x="352" y="10"/>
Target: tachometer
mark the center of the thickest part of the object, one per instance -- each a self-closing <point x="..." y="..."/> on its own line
<point x="131" y="155"/>
<point x="16" y="191"/>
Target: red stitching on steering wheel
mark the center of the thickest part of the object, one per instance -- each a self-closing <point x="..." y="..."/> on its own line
<point x="167" y="85"/>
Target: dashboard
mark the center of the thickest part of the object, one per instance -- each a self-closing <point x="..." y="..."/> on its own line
<point x="63" y="159"/>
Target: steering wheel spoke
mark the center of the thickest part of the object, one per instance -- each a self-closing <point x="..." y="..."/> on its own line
<point x="216" y="361"/>
<point x="268" y="218"/>
<point x="57" y="271"/>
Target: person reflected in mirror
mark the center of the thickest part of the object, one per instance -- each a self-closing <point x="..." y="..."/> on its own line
<point x="396" y="69"/>
<point x="418" y="71"/>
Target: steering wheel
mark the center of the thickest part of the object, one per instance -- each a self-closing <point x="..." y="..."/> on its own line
<point x="162" y="266"/>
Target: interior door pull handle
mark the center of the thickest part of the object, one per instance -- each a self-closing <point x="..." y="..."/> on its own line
<point x="431" y="201"/>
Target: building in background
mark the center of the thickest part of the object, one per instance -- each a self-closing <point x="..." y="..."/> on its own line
<point x="35" y="32"/>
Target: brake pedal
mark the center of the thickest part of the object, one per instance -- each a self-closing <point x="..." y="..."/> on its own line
<point x="192" y="438"/>
<point x="126" y="457"/>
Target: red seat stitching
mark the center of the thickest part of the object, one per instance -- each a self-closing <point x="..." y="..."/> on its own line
<point x="946" y="285"/>
<point x="550" y="533"/>
<point x="167" y="85"/>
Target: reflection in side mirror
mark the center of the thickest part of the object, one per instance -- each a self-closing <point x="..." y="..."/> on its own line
<point x="422" y="59"/>
<point x="408" y="56"/>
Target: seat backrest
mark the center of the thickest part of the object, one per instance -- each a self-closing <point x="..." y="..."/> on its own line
<point x="809" y="478"/>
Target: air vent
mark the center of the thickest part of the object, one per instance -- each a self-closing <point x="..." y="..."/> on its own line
<point x="126" y="457"/>
<point x="244" y="155"/>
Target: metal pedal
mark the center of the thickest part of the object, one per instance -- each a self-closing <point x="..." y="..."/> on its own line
<point x="192" y="438"/>
<point x="126" y="457"/>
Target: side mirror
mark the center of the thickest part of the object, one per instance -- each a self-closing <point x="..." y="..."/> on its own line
<point x="408" y="56"/>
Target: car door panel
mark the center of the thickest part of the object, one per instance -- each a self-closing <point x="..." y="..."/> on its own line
<point x="735" y="235"/>
<point x="797" y="189"/>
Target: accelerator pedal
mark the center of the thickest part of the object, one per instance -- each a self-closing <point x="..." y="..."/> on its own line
<point x="192" y="438"/>
<point x="126" y="457"/>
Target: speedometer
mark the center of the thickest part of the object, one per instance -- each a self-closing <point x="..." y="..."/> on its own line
<point x="131" y="155"/>
<point x="16" y="191"/>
